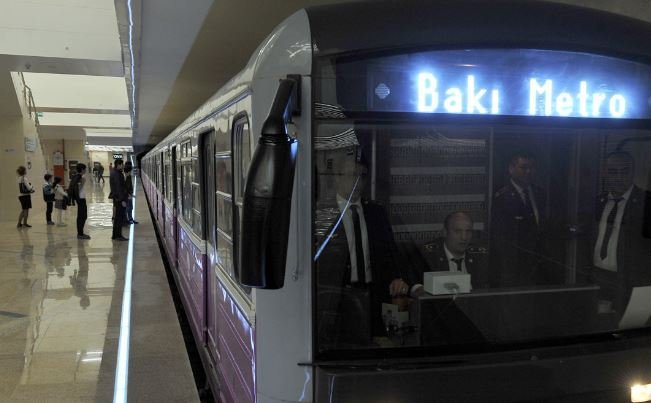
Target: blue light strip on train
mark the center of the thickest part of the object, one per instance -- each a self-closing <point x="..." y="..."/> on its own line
<point x="122" y="367"/>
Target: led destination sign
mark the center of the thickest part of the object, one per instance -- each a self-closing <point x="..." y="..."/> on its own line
<point x="509" y="82"/>
<point x="542" y="100"/>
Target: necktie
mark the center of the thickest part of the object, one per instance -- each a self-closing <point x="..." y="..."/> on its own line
<point x="359" y="249"/>
<point x="610" y="224"/>
<point x="458" y="263"/>
<point x="529" y="205"/>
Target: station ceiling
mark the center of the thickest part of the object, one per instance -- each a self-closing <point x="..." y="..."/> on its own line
<point x="178" y="53"/>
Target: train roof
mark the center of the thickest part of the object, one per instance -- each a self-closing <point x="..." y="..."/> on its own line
<point x="458" y="24"/>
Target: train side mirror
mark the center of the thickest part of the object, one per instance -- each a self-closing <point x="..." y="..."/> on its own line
<point x="268" y="196"/>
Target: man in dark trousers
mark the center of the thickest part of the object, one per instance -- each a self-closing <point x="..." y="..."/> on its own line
<point x="82" y="207"/>
<point x="454" y="252"/>
<point x="517" y="227"/>
<point x="622" y="249"/>
<point x="358" y="261"/>
<point x="119" y="193"/>
<point x="100" y="173"/>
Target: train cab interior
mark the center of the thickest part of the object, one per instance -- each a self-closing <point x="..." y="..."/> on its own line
<point x="533" y="278"/>
<point x="501" y="197"/>
<point x="541" y="278"/>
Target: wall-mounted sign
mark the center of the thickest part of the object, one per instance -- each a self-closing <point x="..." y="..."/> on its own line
<point x="30" y="144"/>
<point x="57" y="158"/>
<point x="117" y="156"/>
<point x="516" y="82"/>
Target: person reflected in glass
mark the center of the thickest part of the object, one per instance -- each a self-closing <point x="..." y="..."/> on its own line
<point x="517" y="226"/>
<point x="79" y="278"/>
<point x="454" y="252"/>
<point x="49" y="254"/>
<point x="621" y="254"/>
<point x="26" y="257"/>
<point x="360" y="258"/>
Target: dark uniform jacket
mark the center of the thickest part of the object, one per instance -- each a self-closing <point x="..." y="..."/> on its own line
<point x="516" y="238"/>
<point x="118" y="186"/>
<point x="475" y="260"/>
<point x="347" y="312"/>
<point x="633" y="250"/>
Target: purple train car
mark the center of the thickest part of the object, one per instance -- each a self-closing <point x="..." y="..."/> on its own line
<point x="420" y="201"/>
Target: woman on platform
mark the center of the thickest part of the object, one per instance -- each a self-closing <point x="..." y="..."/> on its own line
<point x="25" y="191"/>
<point x="60" y="200"/>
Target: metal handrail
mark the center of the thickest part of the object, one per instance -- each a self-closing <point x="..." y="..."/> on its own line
<point x="28" y="99"/>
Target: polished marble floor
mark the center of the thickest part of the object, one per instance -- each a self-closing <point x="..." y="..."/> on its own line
<point x="60" y="306"/>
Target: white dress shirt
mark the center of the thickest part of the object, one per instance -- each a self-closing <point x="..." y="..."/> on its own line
<point x="82" y="187"/>
<point x="452" y="265"/>
<point x="610" y="261"/>
<point x="349" y="227"/>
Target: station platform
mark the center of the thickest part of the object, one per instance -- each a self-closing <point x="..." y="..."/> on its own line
<point x="61" y="307"/>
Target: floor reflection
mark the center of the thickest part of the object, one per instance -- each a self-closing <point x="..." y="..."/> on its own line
<point x="52" y="338"/>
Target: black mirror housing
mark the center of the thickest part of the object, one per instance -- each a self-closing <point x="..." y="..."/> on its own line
<point x="267" y="198"/>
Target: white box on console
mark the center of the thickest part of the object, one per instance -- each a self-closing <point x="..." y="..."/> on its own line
<point x="446" y="282"/>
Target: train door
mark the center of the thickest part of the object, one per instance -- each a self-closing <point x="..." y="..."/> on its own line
<point x="161" y="184"/>
<point x="175" y="208"/>
<point x="209" y="224"/>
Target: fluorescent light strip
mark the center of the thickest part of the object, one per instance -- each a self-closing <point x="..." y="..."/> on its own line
<point x="122" y="368"/>
<point x="133" y="61"/>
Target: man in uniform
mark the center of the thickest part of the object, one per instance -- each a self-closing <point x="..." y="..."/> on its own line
<point x="452" y="253"/>
<point x="517" y="226"/>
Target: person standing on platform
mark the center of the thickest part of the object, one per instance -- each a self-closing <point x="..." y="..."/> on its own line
<point x="60" y="202"/>
<point x="517" y="223"/>
<point x="25" y="191"/>
<point x="120" y="197"/>
<point x="82" y="207"/>
<point x="100" y="173"/>
<point x="48" y="198"/>
<point x="128" y="178"/>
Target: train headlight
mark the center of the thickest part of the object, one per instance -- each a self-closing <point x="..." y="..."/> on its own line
<point x="641" y="393"/>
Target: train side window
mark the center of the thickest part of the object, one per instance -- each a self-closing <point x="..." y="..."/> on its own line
<point x="196" y="204"/>
<point x="242" y="152"/>
<point x="186" y="178"/>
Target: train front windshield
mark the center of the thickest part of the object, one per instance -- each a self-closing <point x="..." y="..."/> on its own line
<point x="487" y="197"/>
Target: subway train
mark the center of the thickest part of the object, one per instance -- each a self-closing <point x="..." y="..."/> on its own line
<point x="423" y="201"/>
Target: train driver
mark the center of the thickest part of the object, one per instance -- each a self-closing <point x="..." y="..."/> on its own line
<point x="454" y="252"/>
